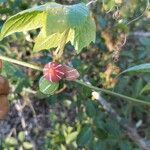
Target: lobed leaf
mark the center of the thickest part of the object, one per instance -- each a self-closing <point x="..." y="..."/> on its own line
<point x="77" y="15"/>
<point x="61" y="17"/>
<point x="26" y="20"/>
<point x="46" y="42"/>
<point x="23" y="21"/>
<point x="54" y="19"/>
<point x="84" y="35"/>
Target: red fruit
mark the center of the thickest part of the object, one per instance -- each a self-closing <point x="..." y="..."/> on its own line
<point x="70" y="73"/>
<point x="53" y="71"/>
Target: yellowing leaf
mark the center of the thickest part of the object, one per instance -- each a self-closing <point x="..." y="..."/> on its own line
<point x="54" y="19"/>
<point x="45" y="42"/>
<point x="80" y="37"/>
<point x="23" y="21"/>
<point x="26" y="20"/>
<point x="52" y="41"/>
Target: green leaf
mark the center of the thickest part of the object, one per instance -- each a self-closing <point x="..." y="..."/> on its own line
<point x="23" y="82"/>
<point x="23" y="21"/>
<point x="77" y="15"/>
<point x="12" y="70"/>
<point x="45" y="42"/>
<point x="146" y="88"/>
<point x="54" y="19"/>
<point x="71" y="137"/>
<point x="125" y="145"/>
<point x="61" y="17"/>
<point x="143" y="68"/>
<point x="55" y="23"/>
<point x="90" y="108"/>
<point x="113" y="129"/>
<point x="85" y="136"/>
<point x="21" y="136"/>
<point x="47" y="87"/>
<point x="137" y="86"/>
<point x="99" y="145"/>
<point x="84" y="35"/>
<point x="27" y="145"/>
<point x="11" y="141"/>
<point x="52" y="41"/>
<point x="80" y="37"/>
<point x="145" y="41"/>
<point x="121" y="84"/>
<point x="101" y="133"/>
<point x="27" y="20"/>
<point x="62" y="147"/>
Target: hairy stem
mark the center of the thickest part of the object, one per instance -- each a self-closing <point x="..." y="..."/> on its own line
<point x="79" y="82"/>
<point x="113" y="93"/>
<point x="20" y="63"/>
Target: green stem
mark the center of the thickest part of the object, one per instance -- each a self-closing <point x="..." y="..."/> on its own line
<point x="78" y="81"/>
<point x="113" y="93"/>
<point x="21" y="63"/>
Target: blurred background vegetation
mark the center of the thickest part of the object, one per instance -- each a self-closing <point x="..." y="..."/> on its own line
<point x="72" y="119"/>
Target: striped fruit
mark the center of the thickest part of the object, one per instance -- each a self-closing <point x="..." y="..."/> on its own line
<point x="53" y="71"/>
<point x="4" y="86"/>
<point x="47" y="87"/>
<point x="70" y="73"/>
